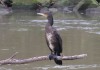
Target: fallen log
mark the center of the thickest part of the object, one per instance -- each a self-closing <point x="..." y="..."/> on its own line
<point x="12" y="60"/>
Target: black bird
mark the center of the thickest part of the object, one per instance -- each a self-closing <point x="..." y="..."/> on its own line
<point x="98" y="1"/>
<point x="53" y="39"/>
<point x="7" y="4"/>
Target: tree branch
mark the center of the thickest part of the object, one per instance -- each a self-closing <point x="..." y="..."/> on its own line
<point x="11" y="60"/>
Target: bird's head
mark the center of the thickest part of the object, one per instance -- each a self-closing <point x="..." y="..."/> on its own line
<point x="48" y="15"/>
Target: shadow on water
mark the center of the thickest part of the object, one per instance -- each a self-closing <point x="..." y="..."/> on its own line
<point x="23" y="32"/>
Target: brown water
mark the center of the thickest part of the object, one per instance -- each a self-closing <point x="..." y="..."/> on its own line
<point x="23" y="32"/>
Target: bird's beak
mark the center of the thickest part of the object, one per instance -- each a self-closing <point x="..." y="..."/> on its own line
<point x="42" y="14"/>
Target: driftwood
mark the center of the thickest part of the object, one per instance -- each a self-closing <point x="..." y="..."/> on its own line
<point x="12" y="60"/>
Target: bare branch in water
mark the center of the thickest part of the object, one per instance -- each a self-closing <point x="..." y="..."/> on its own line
<point x="11" y="60"/>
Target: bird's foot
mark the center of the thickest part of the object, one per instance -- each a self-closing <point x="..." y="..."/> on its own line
<point x="51" y="56"/>
<point x="62" y="55"/>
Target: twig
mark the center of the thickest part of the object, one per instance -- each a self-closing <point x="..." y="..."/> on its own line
<point x="13" y="55"/>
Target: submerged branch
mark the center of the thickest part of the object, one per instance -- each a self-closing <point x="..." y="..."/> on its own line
<point x="11" y="60"/>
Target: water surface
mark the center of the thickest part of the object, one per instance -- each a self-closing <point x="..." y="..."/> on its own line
<point x="23" y="32"/>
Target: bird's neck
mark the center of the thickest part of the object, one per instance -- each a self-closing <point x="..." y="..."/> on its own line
<point x="50" y="21"/>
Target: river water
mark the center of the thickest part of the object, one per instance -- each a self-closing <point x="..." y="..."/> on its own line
<point x="23" y="32"/>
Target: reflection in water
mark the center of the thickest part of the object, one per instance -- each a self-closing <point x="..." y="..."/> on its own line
<point x="23" y="32"/>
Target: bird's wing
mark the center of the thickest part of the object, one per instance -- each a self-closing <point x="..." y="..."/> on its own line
<point x="57" y="41"/>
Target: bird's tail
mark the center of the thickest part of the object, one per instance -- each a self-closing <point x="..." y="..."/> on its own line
<point x="59" y="62"/>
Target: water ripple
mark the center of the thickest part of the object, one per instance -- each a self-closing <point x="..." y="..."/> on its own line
<point x="87" y="25"/>
<point x="3" y="68"/>
<point x="19" y="29"/>
<point x="63" y="67"/>
<point x="62" y="20"/>
<point x="66" y="67"/>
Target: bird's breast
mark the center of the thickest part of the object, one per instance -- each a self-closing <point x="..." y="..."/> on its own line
<point x="49" y="38"/>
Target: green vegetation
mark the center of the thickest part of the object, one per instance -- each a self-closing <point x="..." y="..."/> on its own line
<point x="26" y="2"/>
<point x="58" y="2"/>
<point x="76" y="4"/>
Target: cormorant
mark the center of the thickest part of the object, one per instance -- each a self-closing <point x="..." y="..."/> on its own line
<point x="7" y="4"/>
<point x="53" y="39"/>
<point x="98" y="1"/>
